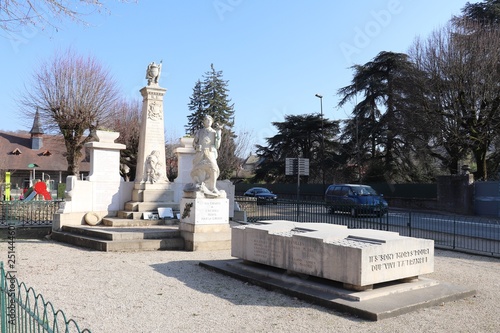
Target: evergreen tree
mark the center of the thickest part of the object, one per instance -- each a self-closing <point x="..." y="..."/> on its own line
<point x="210" y="97"/>
<point x="196" y="106"/>
<point x="302" y="136"/>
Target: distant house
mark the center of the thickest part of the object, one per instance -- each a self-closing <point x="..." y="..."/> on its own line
<point x="247" y="169"/>
<point x="35" y="154"/>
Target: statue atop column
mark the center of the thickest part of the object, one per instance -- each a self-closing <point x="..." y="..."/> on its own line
<point x="151" y="161"/>
<point x="153" y="73"/>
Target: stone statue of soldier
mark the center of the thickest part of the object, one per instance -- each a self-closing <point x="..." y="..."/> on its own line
<point x="205" y="169"/>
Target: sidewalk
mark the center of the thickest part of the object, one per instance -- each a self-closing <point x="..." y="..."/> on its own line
<point x="168" y="291"/>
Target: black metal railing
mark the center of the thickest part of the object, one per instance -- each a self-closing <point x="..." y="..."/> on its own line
<point x="28" y="213"/>
<point x="471" y="234"/>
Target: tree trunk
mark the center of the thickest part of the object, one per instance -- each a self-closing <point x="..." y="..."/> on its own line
<point x="482" y="170"/>
<point x="73" y="149"/>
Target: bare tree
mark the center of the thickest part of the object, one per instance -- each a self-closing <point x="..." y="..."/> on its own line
<point x="14" y="15"/>
<point x="243" y="144"/>
<point x="74" y="95"/>
<point x="127" y="121"/>
<point x="462" y="65"/>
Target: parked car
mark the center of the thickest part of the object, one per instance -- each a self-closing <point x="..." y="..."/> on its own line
<point x="263" y="195"/>
<point x="356" y="199"/>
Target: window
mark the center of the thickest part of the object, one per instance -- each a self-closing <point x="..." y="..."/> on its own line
<point x="16" y="152"/>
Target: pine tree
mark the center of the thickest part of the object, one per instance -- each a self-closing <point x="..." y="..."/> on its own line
<point x="197" y="107"/>
<point x="210" y="97"/>
<point x="215" y="95"/>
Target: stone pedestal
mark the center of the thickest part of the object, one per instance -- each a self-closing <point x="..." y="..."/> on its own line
<point x="103" y="193"/>
<point x="150" y="197"/>
<point x="105" y="157"/>
<point x="359" y="258"/>
<point x="185" y="155"/>
<point x="204" y="223"/>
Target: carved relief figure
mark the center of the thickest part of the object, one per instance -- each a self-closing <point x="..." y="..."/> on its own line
<point x="153" y="167"/>
<point x="205" y="169"/>
<point x="154" y="111"/>
<point x="153" y="73"/>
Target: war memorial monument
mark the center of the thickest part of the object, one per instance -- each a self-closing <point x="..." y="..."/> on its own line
<point x="371" y="273"/>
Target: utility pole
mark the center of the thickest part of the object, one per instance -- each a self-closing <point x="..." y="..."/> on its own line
<point x="322" y="148"/>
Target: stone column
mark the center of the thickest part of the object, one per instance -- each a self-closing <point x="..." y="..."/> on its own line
<point x="152" y="189"/>
<point x="152" y="136"/>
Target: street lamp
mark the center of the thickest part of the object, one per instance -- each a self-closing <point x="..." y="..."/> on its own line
<point x="322" y="141"/>
<point x="32" y="180"/>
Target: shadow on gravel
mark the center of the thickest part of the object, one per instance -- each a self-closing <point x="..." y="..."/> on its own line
<point x="197" y="277"/>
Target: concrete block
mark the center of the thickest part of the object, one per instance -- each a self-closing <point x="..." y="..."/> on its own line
<point x="359" y="258"/>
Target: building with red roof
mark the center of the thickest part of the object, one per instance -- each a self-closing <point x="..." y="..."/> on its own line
<point x="35" y="155"/>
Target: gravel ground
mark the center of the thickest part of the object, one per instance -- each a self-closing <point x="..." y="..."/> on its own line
<point x="167" y="291"/>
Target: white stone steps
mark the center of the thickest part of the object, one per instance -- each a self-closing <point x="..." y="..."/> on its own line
<point x="122" y="239"/>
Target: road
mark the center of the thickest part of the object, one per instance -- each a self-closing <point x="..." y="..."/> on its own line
<point x="468" y="233"/>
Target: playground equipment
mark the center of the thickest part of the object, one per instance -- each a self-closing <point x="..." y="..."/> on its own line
<point x="6" y="186"/>
<point x="38" y="188"/>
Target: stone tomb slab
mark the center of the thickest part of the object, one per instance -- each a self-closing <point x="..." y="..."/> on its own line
<point x="358" y="258"/>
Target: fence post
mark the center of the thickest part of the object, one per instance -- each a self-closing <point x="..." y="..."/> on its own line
<point x="454" y="230"/>
<point x="3" y="304"/>
<point x="409" y="224"/>
<point x="387" y="221"/>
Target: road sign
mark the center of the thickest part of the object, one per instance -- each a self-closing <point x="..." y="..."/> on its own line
<point x="297" y="166"/>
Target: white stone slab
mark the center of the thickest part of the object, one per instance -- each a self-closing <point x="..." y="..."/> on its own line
<point x="357" y="257"/>
<point x="104" y="196"/>
<point x="165" y="212"/>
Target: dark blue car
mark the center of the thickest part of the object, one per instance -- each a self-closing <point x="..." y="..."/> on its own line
<point x="356" y="199"/>
<point x="263" y="195"/>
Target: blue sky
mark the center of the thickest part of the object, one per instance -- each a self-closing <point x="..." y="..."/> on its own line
<point x="276" y="55"/>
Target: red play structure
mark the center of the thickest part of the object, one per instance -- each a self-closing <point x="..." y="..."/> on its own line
<point x="39" y="188"/>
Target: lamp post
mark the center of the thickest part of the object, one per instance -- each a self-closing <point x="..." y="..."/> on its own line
<point x="322" y="141"/>
<point x="32" y="180"/>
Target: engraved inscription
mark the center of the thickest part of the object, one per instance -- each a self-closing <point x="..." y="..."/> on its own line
<point x="399" y="259"/>
<point x="304" y="255"/>
<point x="260" y="249"/>
<point x="265" y="249"/>
<point x="210" y="211"/>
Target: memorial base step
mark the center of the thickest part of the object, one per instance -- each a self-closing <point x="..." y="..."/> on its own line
<point x="122" y="239"/>
<point x="386" y="300"/>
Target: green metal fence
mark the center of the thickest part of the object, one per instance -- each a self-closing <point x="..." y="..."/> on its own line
<point x="472" y="234"/>
<point x="28" y="213"/>
<point x="23" y="310"/>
